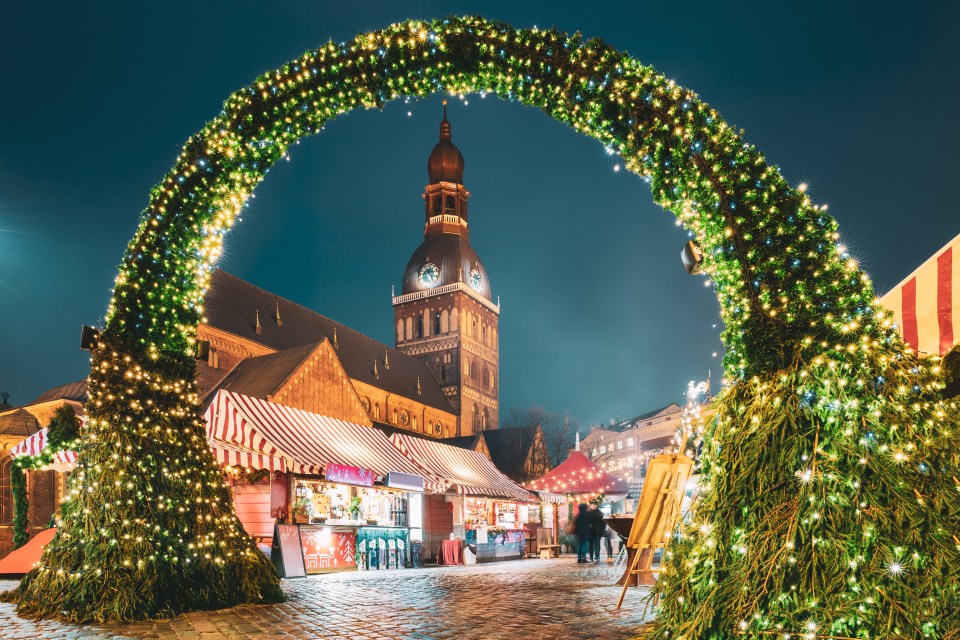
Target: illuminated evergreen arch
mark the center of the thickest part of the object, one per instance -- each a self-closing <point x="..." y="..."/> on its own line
<point x="829" y="505"/>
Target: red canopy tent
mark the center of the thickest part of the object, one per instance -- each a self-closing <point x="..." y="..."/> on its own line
<point x="580" y="475"/>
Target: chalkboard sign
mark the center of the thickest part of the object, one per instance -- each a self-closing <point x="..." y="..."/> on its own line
<point x="286" y="552"/>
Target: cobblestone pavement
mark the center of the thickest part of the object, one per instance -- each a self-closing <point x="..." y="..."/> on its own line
<point x="530" y="599"/>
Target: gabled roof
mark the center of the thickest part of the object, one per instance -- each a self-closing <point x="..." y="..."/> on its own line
<point x="18" y="422"/>
<point x="231" y="305"/>
<point x="263" y="376"/>
<point x="578" y="474"/>
<point x="510" y="447"/>
<point x="76" y="391"/>
<point x="470" y="443"/>
<point x="638" y="421"/>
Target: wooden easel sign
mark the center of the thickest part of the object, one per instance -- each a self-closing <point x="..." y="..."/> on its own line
<point x="657" y="516"/>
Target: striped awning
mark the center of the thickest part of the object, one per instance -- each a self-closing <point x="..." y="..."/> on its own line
<point x="551" y="498"/>
<point x="34" y="445"/>
<point x="237" y="457"/>
<point x="469" y="471"/>
<point x="307" y="442"/>
<point x="926" y="305"/>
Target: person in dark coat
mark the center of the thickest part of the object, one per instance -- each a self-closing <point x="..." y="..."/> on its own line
<point x="583" y="531"/>
<point x="597" y="529"/>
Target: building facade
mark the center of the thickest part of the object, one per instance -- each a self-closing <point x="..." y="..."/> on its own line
<point x="445" y="315"/>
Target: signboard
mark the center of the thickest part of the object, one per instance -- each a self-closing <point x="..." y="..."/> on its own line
<point x="325" y="549"/>
<point x="349" y="475"/>
<point x="408" y="481"/>
<point x="286" y="552"/>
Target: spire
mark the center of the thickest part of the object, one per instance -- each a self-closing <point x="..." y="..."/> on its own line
<point x="376" y="371"/>
<point x="336" y="345"/>
<point x="445" y="124"/>
<point x="279" y="320"/>
<point x="258" y="328"/>
<point x="386" y="359"/>
<point x="419" y="391"/>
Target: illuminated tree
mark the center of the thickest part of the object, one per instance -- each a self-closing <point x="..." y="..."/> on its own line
<point x="830" y="502"/>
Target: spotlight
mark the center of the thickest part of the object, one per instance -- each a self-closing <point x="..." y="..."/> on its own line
<point x="692" y="256"/>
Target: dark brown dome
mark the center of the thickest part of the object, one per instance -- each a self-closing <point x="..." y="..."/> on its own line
<point x="445" y="163"/>
<point x="454" y="260"/>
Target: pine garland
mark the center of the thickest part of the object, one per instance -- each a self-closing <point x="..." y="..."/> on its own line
<point x="21" y="505"/>
<point x="795" y="537"/>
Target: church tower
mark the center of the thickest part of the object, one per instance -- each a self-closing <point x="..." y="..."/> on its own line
<point x="445" y="313"/>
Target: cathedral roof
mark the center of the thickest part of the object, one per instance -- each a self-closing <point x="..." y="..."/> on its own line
<point x="231" y="305"/>
<point x="76" y="391"/>
<point x="456" y="261"/>
<point x="445" y="163"/>
<point x="263" y="376"/>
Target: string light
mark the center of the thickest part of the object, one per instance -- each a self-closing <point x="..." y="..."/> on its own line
<point x="814" y="365"/>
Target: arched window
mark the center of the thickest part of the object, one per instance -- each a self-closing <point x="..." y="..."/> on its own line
<point x="414" y="422"/>
<point x="451" y="205"/>
<point x="444" y="321"/>
<point x="396" y="417"/>
<point x="483" y="334"/>
<point x="419" y="326"/>
<point x="473" y="331"/>
<point x="486" y="418"/>
<point x="400" y="330"/>
<point x="473" y="371"/>
<point x="436" y="205"/>
<point x="443" y="373"/>
<point x="436" y="324"/>
<point x="476" y="417"/>
<point x="466" y="366"/>
<point x="6" y="495"/>
<point x="376" y="411"/>
<point x="454" y="320"/>
<point x="409" y="326"/>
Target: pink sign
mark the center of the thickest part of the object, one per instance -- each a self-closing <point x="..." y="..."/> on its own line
<point x="349" y="475"/>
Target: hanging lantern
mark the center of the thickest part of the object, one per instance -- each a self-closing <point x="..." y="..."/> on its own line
<point x="692" y="256"/>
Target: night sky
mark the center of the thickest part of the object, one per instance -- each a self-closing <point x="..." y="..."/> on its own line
<point x="598" y="315"/>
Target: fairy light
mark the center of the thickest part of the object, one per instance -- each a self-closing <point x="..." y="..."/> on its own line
<point x="814" y="366"/>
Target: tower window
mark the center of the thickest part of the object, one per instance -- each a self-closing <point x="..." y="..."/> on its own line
<point x="443" y="372"/>
<point x="436" y="324"/>
<point x="396" y="417"/>
<point x="451" y="205"/>
<point x="436" y="205"/>
<point x="419" y="326"/>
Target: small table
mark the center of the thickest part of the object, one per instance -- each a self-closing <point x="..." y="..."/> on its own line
<point x="549" y="551"/>
<point x="621" y="527"/>
<point x="450" y="552"/>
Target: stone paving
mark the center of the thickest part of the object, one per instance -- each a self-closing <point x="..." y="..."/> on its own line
<point x="528" y="599"/>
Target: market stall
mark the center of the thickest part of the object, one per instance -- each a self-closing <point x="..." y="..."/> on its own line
<point x="356" y="500"/>
<point x="484" y="509"/>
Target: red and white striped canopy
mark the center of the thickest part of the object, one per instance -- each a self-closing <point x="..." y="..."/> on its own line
<point x="470" y="471"/>
<point x="926" y="306"/>
<point x="237" y="457"/>
<point x="306" y="441"/>
<point x="34" y="445"/>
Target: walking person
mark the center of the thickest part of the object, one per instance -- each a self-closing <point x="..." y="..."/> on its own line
<point x="597" y="527"/>
<point x="583" y="530"/>
<point x="608" y="534"/>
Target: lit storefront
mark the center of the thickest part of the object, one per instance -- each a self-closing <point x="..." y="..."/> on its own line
<point x="481" y="507"/>
<point x="353" y="499"/>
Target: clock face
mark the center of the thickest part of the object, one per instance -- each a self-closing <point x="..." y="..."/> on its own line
<point x="429" y="275"/>
<point x="476" y="280"/>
